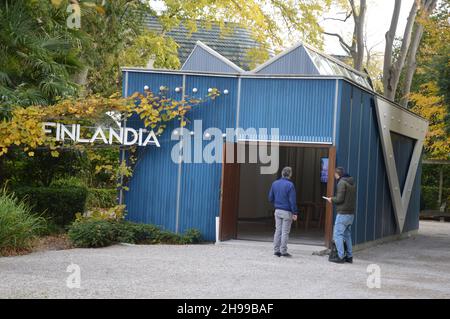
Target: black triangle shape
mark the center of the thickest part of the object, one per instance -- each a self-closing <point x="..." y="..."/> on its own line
<point x="403" y="148"/>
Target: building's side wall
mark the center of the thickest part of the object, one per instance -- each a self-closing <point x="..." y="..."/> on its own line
<point x="152" y="189"/>
<point x="302" y="109"/>
<point x="180" y="196"/>
<point x="359" y="151"/>
<point x="201" y="182"/>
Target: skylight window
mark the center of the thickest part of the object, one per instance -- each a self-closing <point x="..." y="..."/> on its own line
<point x="327" y="66"/>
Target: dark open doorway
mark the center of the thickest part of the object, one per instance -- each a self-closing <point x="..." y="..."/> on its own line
<point x="247" y="214"/>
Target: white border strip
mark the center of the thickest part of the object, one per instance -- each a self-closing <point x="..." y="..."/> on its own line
<point x="283" y="142"/>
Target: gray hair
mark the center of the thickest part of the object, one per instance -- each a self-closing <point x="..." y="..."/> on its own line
<point x="340" y="171"/>
<point x="286" y="172"/>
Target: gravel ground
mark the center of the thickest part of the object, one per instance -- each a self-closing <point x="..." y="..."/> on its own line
<point x="412" y="268"/>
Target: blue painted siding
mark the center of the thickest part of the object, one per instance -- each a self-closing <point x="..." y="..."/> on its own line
<point x="220" y="112"/>
<point x="306" y="116"/>
<point x="137" y="81"/>
<point x="295" y="62"/>
<point x="200" y="182"/>
<point x="152" y="190"/>
<point x="303" y="109"/>
<point x="360" y="152"/>
<point x="202" y="60"/>
<point x="200" y="197"/>
<point x="412" y="216"/>
<point x="403" y="149"/>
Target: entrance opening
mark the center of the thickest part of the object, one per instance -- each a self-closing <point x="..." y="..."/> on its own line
<point x="245" y="211"/>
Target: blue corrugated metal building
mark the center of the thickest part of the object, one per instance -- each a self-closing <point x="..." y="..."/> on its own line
<point x="323" y="109"/>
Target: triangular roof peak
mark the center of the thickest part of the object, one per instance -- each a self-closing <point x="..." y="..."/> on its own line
<point x="276" y="57"/>
<point x="212" y="52"/>
<point x="308" y="48"/>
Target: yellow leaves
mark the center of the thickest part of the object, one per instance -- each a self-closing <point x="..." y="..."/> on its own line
<point x="56" y="3"/>
<point x="24" y="128"/>
<point x="431" y="106"/>
<point x="105" y="168"/>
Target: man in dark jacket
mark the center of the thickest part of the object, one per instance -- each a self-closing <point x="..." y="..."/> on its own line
<point x="283" y="196"/>
<point x="345" y="201"/>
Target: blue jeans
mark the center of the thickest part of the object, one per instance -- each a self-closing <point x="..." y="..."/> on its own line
<point x="343" y="231"/>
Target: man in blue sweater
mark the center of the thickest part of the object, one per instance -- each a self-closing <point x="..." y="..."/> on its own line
<point x="282" y="195"/>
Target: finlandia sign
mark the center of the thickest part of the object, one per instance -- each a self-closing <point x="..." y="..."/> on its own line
<point x="122" y="135"/>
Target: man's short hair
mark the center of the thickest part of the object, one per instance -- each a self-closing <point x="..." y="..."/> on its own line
<point x="340" y="171"/>
<point x="286" y="172"/>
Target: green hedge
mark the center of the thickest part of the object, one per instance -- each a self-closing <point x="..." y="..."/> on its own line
<point x="92" y="233"/>
<point x="101" y="197"/>
<point x="430" y="196"/>
<point x="58" y="204"/>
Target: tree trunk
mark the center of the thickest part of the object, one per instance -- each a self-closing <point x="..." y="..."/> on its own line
<point x="411" y="65"/>
<point x="356" y="47"/>
<point x="360" y="19"/>
<point x="392" y="70"/>
<point x="390" y="36"/>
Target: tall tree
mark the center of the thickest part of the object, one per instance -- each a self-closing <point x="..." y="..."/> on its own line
<point x="356" y="47"/>
<point x="38" y="54"/>
<point x="119" y="35"/>
<point x="393" y="67"/>
<point x="430" y="89"/>
<point x="437" y="26"/>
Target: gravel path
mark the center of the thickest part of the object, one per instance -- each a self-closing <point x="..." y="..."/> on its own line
<point x="413" y="268"/>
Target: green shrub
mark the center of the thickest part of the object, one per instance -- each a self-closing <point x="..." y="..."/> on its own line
<point x="91" y="232"/>
<point x="101" y="198"/>
<point x="68" y="182"/>
<point x="18" y="226"/>
<point x="58" y="204"/>
<point x="192" y="236"/>
<point x="139" y="233"/>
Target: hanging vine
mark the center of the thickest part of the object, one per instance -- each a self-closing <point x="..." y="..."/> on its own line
<point x="22" y="128"/>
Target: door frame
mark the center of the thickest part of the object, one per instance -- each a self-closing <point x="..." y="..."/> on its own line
<point x="328" y="232"/>
<point x="229" y="195"/>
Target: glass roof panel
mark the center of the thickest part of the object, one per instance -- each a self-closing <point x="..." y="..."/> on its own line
<point x="327" y="66"/>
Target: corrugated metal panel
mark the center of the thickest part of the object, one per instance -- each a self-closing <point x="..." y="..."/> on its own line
<point x="301" y="108"/>
<point x="202" y="60"/>
<point x="412" y="216"/>
<point x="152" y="189"/>
<point x="219" y="112"/>
<point x="137" y="81"/>
<point x="296" y="61"/>
<point x="200" y="197"/>
<point x="359" y="151"/>
<point x="403" y="148"/>
<point x="152" y="197"/>
<point x="200" y="183"/>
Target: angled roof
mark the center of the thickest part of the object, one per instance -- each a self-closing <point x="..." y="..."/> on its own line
<point x="305" y="59"/>
<point x="234" y="46"/>
<point x="203" y="58"/>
